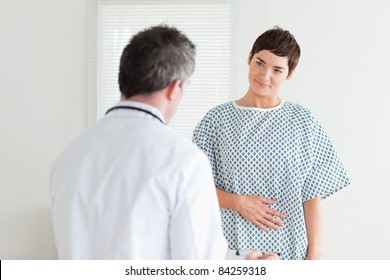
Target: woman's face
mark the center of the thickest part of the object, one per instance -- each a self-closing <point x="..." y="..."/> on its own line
<point x="267" y="72"/>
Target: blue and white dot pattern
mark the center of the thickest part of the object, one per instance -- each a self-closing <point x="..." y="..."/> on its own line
<point x="282" y="153"/>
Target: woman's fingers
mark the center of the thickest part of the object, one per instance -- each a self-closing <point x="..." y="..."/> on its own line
<point x="262" y="226"/>
<point x="259" y="255"/>
<point x="271" y="222"/>
<point x="276" y="213"/>
<point x="266" y="200"/>
<point x="255" y="210"/>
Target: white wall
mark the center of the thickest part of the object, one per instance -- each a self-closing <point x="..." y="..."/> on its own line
<point x="342" y="77"/>
<point x="42" y="106"/>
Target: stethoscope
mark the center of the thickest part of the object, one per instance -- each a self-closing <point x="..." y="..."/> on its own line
<point x="137" y="109"/>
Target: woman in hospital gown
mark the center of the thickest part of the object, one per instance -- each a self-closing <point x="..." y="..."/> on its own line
<point x="270" y="154"/>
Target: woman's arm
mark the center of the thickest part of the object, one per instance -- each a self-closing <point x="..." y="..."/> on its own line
<point x="253" y="208"/>
<point x="312" y="212"/>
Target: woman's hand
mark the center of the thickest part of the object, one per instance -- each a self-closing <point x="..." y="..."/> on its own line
<point x="258" y="255"/>
<point x="254" y="209"/>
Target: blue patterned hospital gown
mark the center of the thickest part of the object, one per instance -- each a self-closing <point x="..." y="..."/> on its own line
<point x="282" y="153"/>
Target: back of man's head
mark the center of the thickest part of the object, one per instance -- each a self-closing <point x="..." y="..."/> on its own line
<point x="153" y="59"/>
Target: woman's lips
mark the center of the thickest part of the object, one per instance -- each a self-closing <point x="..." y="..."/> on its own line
<point x="262" y="84"/>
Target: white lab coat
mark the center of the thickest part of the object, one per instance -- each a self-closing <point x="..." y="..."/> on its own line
<point x="131" y="188"/>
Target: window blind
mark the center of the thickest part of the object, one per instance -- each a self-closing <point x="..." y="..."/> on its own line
<point x="209" y="24"/>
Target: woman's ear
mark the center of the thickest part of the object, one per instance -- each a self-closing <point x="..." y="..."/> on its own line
<point x="249" y="58"/>
<point x="290" y="74"/>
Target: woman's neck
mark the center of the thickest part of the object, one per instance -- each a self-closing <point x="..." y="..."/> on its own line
<point x="263" y="102"/>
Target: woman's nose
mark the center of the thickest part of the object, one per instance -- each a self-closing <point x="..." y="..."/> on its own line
<point x="266" y="74"/>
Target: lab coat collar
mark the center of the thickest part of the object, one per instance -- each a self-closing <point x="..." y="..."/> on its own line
<point x="143" y="106"/>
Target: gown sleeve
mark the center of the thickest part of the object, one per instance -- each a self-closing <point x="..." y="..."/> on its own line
<point x="204" y="136"/>
<point x="327" y="174"/>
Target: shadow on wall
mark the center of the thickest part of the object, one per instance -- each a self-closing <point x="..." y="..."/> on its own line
<point x="27" y="234"/>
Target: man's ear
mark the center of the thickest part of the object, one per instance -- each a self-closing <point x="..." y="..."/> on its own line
<point x="172" y="89"/>
<point x="290" y="74"/>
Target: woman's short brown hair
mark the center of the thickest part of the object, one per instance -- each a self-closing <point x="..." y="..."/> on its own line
<point x="279" y="42"/>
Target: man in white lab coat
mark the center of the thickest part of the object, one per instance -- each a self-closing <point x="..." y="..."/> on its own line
<point x="130" y="187"/>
